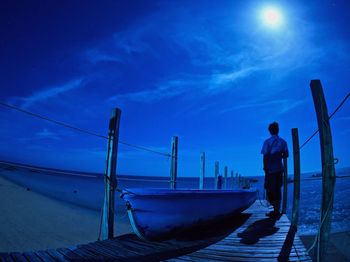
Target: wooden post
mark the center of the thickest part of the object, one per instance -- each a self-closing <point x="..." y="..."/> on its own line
<point x="202" y="171"/>
<point x="110" y="179"/>
<point x="328" y="172"/>
<point x="216" y="174"/>
<point x="296" y="192"/>
<point x="219" y="185"/>
<point x="173" y="166"/>
<point x="232" y="179"/>
<point x="225" y="174"/>
<point x="285" y="186"/>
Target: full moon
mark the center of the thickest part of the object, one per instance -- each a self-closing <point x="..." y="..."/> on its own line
<point x="272" y="17"/>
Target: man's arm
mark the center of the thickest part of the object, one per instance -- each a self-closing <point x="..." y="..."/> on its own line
<point x="265" y="159"/>
<point x="285" y="152"/>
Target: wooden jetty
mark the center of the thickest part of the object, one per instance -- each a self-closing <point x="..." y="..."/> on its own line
<point x="249" y="236"/>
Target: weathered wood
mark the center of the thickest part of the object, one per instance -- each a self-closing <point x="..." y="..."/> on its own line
<point x="6" y="257"/>
<point x="296" y="190"/>
<point x="57" y="255"/>
<point x="225" y="174"/>
<point x="31" y="256"/>
<point x="328" y="172"/>
<point x="110" y="181"/>
<point x="202" y="171"/>
<point x="45" y="256"/>
<point x="18" y="257"/>
<point x="216" y="174"/>
<point x="173" y="166"/>
<point x="285" y="186"/>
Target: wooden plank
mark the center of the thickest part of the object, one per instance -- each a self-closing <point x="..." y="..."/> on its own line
<point x="18" y="257"/>
<point x="31" y="256"/>
<point x="106" y="253"/>
<point x="116" y="250"/>
<point x="6" y="257"/>
<point x="57" y="255"/>
<point x="44" y="256"/>
<point x="86" y="253"/>
<point x="124" y="249"/>
<point x="68" y="254"/>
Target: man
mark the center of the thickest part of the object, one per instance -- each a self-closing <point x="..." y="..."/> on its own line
<point x="274" y="150"/>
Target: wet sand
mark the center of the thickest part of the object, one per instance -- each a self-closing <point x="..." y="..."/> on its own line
<point x="31" y="221"/>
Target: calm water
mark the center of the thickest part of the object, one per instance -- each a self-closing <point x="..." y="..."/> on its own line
<point x="86" y="189"/>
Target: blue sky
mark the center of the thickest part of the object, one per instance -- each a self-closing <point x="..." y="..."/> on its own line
<point x="211" y="73"/>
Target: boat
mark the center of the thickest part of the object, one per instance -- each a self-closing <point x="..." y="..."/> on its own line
<point x="161" y="213"/>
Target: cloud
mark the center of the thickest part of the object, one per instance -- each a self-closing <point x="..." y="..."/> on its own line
<point x="95" y="56"/>
<point x="48" y="93"/>
<point x="206" y="84"/>
<point x="284" y="105"/>
<point x="47" y="134"/>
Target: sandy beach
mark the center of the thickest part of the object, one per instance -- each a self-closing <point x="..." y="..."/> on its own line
<point x="31" y="221"/>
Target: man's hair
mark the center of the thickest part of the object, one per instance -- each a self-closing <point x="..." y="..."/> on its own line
<point x="273" y="128"/>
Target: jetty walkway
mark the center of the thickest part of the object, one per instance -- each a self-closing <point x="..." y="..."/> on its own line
<point x="250" y="236"/>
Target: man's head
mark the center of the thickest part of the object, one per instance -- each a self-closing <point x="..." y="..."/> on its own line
<point x="273" y="128"/>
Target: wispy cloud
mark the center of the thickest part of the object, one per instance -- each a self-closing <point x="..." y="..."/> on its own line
<point x="48" y="93"/>
<point x="47" y="134"/>
<point x="95" y="56"/>
<point x="283" y="105"/>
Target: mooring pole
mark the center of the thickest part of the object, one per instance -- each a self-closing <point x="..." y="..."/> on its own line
<point x="173" y="166"/>
<point x="296" y="191"/>
<point x="232" y="183"/>
<point x="216" y="174"/>
<point x="202" y="170"/>
<point x="328" y="172"/>
<point x="285" y="185"/>
<point x="110" y="178"/>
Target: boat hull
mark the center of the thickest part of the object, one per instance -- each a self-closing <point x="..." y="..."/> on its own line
<point x="161" y="213"/>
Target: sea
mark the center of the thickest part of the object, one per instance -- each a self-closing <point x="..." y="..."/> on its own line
<point x="87" y="190"/>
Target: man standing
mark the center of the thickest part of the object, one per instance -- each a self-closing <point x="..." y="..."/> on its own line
<point x="274" y="150"/>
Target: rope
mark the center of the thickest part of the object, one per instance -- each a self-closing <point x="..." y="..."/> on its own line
<point x="79" y="129"/>
<point x="146" y="149"/>
<point x="335" y="111"/>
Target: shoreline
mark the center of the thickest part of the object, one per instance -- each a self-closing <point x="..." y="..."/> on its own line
<point x="31" y="221"/>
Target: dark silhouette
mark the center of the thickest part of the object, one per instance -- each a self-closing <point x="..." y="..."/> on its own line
<point x="259" y="229"/>
<point x="274" y="150"/>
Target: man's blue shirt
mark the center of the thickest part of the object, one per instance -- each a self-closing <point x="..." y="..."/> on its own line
<point x="275" y="147"/>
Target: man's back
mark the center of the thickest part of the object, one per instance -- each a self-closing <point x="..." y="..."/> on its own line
<point x="275" y="148"/>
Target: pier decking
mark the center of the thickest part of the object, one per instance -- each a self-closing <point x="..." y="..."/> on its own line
<point x="250" y="236"/>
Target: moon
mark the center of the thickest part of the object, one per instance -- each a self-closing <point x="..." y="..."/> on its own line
<point x="272" y="17"/>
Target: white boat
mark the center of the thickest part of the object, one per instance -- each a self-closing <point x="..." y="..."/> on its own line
<point x="161" y="213"/>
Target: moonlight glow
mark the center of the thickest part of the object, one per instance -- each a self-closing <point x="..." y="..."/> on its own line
<point x="272" y="17"/>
